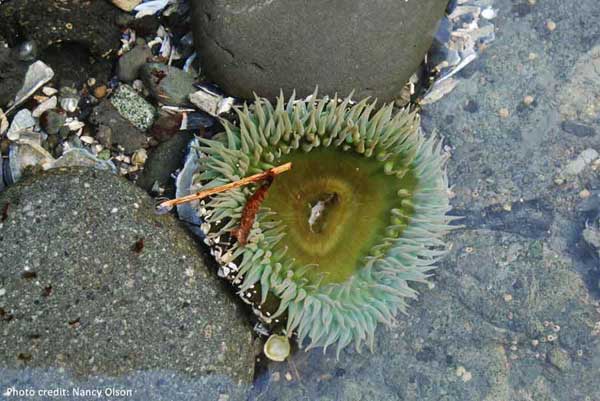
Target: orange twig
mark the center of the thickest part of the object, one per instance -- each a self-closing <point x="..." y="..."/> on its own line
<point x="236" y="184"/>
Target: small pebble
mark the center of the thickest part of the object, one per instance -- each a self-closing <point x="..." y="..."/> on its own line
<point x="550" y="25"/>
<point x="49" y="91"/>
<point x="488" y="13"/>
<point x="288" y="376"/>
<point x="584" y="194"/>
<point x="503" y="112"/>
<point x="100" y="91"/>
<point x="535" y="343"/>
<point x="532" y="56"/>
<point x="139" y="157"/>
<point x="2" y="292"/>
<point x="86" y="139"/>
<point x="508" y="297"/>
<point x="528" y="100"/>
<point x="532" y="2"/>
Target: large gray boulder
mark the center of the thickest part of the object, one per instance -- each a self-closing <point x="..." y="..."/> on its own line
<point x="371" y="46"/>
<point x="94" y="285"/>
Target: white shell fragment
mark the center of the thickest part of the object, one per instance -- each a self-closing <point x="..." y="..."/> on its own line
<point x="45" y="106"/>
<point x="470" y="29"/>
<point x="3" y="123"/>
<point x="151" y="7"/>
<point x="22" y="121"/>
<point x="439" y="90"/>
<point x="86" y="139"/>
<point x="37" y="75"/>
<point x="277" y="348"/>
<point x="69" y="104"/>
<point x="210" y="102"/>
<point x="75" y="125"/>
<point x="49" y="91"/>
<point x="489" y="13"/>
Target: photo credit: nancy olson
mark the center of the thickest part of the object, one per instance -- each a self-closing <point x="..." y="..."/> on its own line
<point x="68" y="392"/>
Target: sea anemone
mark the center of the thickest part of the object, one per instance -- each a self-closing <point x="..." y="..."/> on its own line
<point x="338" y="238"/>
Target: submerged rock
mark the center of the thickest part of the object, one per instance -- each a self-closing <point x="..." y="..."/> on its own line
<point x="163" y="161"/>
<point x="103" y="286"/>
<point x="257" y="46"/>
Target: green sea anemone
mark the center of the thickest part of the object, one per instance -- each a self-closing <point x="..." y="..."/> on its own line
<point x="339" y="237"/>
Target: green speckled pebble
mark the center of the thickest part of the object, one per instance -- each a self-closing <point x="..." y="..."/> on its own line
<point x="133" y="107"/>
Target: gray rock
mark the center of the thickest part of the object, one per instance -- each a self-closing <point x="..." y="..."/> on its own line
<point x="133" y="107"/>
<point x="163" y="161"/>
<point x="342" y="45"/>
<point x="74" y="64"/>
<point x="103" y="287"/>
<point x="104" y="136"/>
<point x="129" y="63"/>
<point x="47" y="22"/>
<point x="12" y="75"/>
<point x="122" y="131"/>
<point x="168" y="85"/>
<point x="559" y="358"/>
<point x="52" y="121"/>
<point x="577" y="129"/>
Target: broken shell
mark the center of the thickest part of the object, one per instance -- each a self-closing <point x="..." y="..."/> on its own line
<point x="47" y="104"/>
<point x="37" y="75"/>
<point x="49" y="91"/>
<point x="139" y="157"/>
<point x="277" y="348"/>
<point x="22" y="121"/>
<point x="69" y="104"/>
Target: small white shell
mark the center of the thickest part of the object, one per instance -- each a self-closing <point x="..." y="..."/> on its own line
<point x="489" y="13"/>
<point x="277" y="348"/>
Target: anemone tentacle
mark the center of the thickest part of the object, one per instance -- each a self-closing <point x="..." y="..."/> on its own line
<point x="347" y="310"/>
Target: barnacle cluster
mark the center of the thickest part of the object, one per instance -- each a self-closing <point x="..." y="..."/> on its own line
<point x="338" y="239"/>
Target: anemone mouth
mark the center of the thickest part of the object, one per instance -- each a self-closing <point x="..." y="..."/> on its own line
<point x="338" y="238"/>
<point x="336" y="210"/>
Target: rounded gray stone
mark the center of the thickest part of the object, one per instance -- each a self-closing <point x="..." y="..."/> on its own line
<point x="130" y="63"/>
<point x="167" y="84"/>
<point x="262" y="46"/>
<point x="94" y="284"/>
